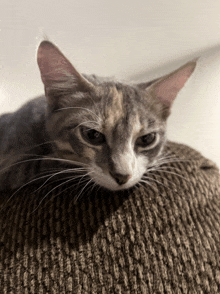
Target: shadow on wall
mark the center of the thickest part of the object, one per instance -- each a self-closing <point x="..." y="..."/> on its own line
<point x="167" y="67"/>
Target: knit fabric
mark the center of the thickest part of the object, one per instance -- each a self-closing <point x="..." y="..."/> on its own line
<point x="158" y="238"/>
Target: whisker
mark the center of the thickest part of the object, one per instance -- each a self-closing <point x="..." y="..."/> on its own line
<point x="62" y="172"/>
<point x="63" y="183"/>
<point x="50" y="192"/>
<point x="34" y="180"/>
<point x="96" y="108"/>
<point x="169" y="172"/>
<point x="69" y="187"/>
<point x="22" y="151"/>
<point x="63" y="190"/>
<point x="157" y="175"/>
<point x="143" y="181"/>
<point x="65" y="108"/>
<point x="85" y="175"/>
<point x="146" y="182"/>
<point x="89" y="121"/>
<point x="170" y="159"/>
<point x="77" y="197"/>
<point x="93" y="186"/>
<point x="45" y="158"/>
<point x="154" y="168"/>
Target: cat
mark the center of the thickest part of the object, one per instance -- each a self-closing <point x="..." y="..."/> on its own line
<point x="107" y="132"/>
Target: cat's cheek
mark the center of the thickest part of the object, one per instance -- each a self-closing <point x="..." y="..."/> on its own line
<point x="102" y="178"/>
<point x="141" y="166"/>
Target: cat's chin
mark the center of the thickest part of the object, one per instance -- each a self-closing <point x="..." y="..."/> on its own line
<point x="114" y="186"/>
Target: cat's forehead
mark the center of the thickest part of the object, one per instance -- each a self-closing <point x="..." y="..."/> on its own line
<point x="125" y="104"/>
<point x="124" y="113"/>
<point x="114" y="109"/>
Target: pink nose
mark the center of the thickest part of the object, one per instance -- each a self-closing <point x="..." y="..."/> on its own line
<point x="120" y="178"/>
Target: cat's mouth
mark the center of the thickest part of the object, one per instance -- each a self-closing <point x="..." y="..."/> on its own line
<point x="115" y="181"/>
<point x="111" y="184"/>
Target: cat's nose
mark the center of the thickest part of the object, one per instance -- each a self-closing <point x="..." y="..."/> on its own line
<point x="120" y="178"/>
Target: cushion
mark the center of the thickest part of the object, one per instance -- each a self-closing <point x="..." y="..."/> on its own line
<point x="161" y="237"/>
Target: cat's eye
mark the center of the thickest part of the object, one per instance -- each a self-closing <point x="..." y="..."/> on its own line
<point x="92" y="136"/>
<point x="146" y="140"/>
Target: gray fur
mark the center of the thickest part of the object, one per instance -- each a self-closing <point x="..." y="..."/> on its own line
<point x="46" y="133"/>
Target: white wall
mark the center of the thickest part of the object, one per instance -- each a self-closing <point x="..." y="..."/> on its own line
<point x="134" y="40"/>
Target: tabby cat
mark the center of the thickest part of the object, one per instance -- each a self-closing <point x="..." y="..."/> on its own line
<point x="99" y="131"/>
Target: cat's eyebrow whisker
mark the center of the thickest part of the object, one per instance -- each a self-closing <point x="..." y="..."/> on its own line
<point x="72" y="107"/>
<point x="95" y="105"/>
<point x="85" y="122"/>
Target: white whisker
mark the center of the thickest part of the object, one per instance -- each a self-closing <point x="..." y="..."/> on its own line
<point x="62" y="172"/>
<point x="169" y="172"/>
<point x="156" y="175"/>
<point x="149" y="178"/>
<point x="154" y="168"/>
<point x="63" y="190"/>
<point x="45" y="158"/>
<point x="77" y="197"/>
<point x="22" y="151"/>
<point x="32" y="181"/>
<point x="50" y="192"/>
<point x="146" y="182"/>
<point x="85" y="122"/>
<point x="72" y="107"/>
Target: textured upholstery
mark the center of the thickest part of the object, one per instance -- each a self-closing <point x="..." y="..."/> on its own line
<point x="162" y="238"/>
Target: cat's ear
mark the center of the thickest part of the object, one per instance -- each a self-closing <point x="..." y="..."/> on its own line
<point x="58" y="74"/>
<point x="164" y="90"/>
<point x="145" y="85"/>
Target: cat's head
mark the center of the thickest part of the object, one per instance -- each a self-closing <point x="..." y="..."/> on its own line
<point x="115" y="130"/>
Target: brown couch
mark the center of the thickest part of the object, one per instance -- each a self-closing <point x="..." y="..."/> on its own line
<point x="163" y="238"/>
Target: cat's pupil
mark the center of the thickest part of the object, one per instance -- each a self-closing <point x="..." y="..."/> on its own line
<point x="146" y="140"/>
<point x="92" y="136"/>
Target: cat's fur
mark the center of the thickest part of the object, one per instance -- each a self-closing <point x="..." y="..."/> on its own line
<point x="113" y="132"/>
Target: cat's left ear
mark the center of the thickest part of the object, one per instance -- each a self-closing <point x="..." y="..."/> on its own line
<point x="164" y="90"/>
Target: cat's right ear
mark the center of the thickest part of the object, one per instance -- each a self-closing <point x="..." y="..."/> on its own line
<point x="59" y="76"/>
